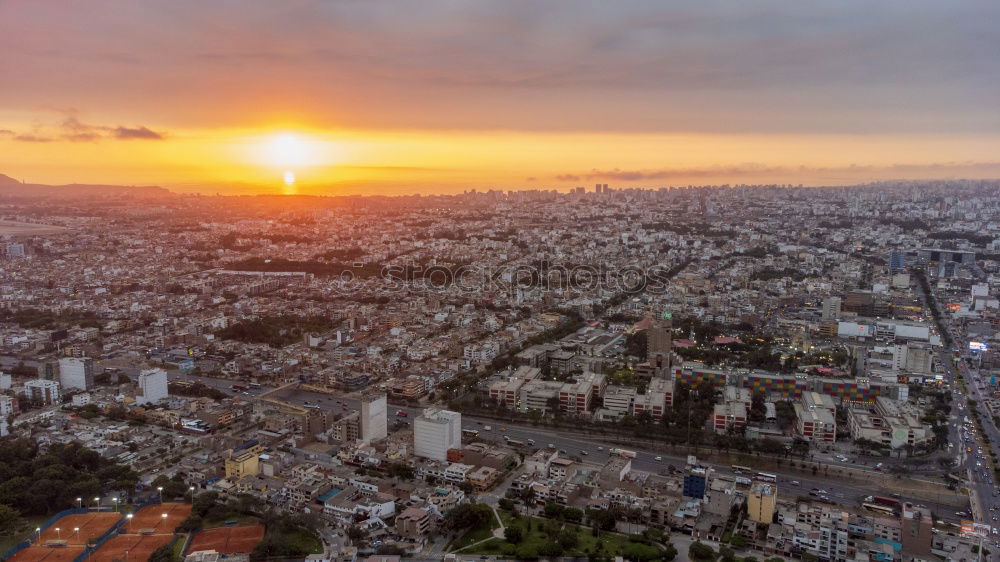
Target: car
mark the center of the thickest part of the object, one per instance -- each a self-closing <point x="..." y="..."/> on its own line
<point x="599" y="448"/>
<point x="795" y="483"/>
<point x="658" y="459"/>
<point x="551" y="446"/>
<point x="563" y="451"/>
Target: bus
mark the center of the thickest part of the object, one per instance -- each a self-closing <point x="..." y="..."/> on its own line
<point x="254" y="385"/>
<point x="766" y="477"/>
<point x="238" y="388"/>
<point x="880" y="509"/>
<point x="742" y="469"/>
<point x="470" y="432"/>
<point x="623" y="453"/>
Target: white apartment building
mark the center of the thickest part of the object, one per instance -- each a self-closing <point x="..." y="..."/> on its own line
<point x="374" y="417"/>
<point x="153" y="384"/>
<point x="43" y="391"/>
<point x="435" y="432"/>
<point x="76" y="372"/>
<point x="8" y="407"/>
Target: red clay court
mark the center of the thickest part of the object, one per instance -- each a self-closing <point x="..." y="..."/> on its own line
<point x="228" y="540"/>
<point x="92" y="525"/>
<point x="151" y="517"/>
<point x="47" y="553"/>
<point x="139" y="547"/>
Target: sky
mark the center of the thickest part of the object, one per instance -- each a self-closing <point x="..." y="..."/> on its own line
<point x="393" y="97"/>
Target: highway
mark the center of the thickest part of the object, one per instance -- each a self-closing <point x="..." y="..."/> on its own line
<point x="974" y="457"/>
<point x="592" y="450"/>
<point x="585" y="447"/>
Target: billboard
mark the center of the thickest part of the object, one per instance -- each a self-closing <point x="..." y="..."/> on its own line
<point x="978" y="346"/>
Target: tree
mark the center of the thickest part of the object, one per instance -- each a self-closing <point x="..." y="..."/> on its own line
<point x="513" y="534"/>
<point x="163" y="554"/>
<point x="701" y="552"/>
<point x="356" y="534"/>
<point x="467" y="516"/>
<point x="10" y="520"/>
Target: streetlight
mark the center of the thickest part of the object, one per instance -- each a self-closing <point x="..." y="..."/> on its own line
<point x="164" y="519"/>
<point x="79" y="503"/>
<point x="116" y="504"/>
<point x="160" y="490"/>
<point x="97" y="503"/>
<point x="191" y="489"/>
<point x="76" y="531"/>
<point x="58" y="533"/>
<point x="38" y="534"/>
<point x="128" y="524"/>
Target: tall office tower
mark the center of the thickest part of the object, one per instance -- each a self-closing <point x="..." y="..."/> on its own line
<point x="435" y="432"/>
<point x="153" y="384"/>
<point x="76" y="372"/>
<point x="897" y="261"/>
<point x="831" y="309"/>
<point x="374" y="417"/>
<point x="761" y="502"/>
<point x="659" y="342"/>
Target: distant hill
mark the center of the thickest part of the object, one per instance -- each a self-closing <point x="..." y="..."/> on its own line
<point x="10" y="187"/>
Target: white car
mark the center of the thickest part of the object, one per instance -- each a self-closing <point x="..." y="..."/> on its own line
<point x="658" y="459"/>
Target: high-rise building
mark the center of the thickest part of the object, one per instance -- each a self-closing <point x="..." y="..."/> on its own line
<point x="153" y="384"/>
<point x="761" y="502"/>
<point x="831" y="309"/>
<point x="43" y="392"/>
<point x="435" y="432"/>
<point x="659" y="341"/>
<point x="916" y="530"/>
<point x="374" y="417"/>
<point x="15" y="250"/>
<point x="8" y="407"/>
<point x="695" y="483"/>
<point x="897" y="261"/>
<point x="76" y="372"/>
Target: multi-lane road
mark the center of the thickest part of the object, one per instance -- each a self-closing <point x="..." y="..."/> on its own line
<point x="585" y="447"/>
<point x="973" y="458"/>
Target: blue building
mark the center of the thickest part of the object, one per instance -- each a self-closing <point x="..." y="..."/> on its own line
<point x="695" y="484"/>
<point x="897" y="261"/>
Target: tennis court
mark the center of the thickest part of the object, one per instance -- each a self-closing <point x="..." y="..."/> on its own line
<point x="91" y="525"/>
<point x="130" y="547"/>
<point x="151" y="517"/>
<point x="47" y="553"/>
<point x="228" y="540"/>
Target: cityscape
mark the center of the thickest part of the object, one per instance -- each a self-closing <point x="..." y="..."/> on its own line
<point x="353" y="347"/>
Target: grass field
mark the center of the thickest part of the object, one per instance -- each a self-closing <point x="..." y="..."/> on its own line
<point x="541" y="537"/>
<point x="476" y="534"/>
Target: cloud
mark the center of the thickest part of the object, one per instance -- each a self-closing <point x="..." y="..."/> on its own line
<point x="72" y="129"/>
<point x="568" y="177"/>
<point x="32" y="138"/>
<point x="128" y="133"/>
